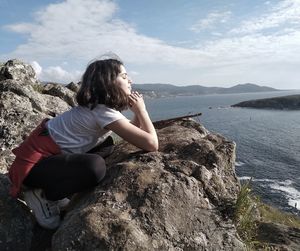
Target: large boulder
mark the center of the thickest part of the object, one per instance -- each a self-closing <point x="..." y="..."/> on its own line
<point x="179" y="198"/>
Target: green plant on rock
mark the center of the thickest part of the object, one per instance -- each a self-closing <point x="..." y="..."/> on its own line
<point x="250" y="212"/>
<point x="245" y="215"/>
<point x="271" y="214"/>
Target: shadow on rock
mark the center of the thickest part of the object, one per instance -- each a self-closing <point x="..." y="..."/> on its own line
<point x="18" y="229"/>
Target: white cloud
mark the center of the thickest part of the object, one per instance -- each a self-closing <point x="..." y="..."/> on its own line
<point x="217" y="34"/>
<point x="211" y="20"/>
<point x="55" y="74"/>
<point x="256" y="48"/>
<point x="37" y="68"/>
<point x="21" y="27"/>
<point x="287" y="12"/>
<point x="74" y="32"/>
<point x="134" y="73"/>
<point x="59" y="75"/>
<point x="89" y="32"/>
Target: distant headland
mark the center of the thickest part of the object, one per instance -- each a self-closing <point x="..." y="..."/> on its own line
<point x="291" y="102"/>
<point x="168" y="90"/>
<point x="158" y="90"/>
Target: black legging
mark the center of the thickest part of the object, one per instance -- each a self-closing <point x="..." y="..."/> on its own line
<point x="65" y="174"/>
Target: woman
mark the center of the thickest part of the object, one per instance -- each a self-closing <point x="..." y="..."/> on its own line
<point x="53" y="162"/>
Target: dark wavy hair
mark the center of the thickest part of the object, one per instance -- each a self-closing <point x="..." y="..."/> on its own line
<point x="98" y="86"/>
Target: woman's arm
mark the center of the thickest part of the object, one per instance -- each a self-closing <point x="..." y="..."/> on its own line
<point x="135" y="121"/>
<point x="144" y="136"/>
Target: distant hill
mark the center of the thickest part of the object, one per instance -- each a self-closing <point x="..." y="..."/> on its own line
<point x="167" y="90"/>
<point x="158" y="90"/>
<point x="291" y="102"/>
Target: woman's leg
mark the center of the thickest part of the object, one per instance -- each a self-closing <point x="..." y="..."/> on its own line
<point x="65" y="174"/>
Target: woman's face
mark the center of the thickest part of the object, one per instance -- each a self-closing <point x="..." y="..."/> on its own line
<point x="123" y="81"/>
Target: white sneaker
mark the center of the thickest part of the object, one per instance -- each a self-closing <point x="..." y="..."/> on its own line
<point x="46" y="212"/>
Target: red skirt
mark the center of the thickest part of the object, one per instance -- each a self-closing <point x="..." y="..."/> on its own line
<point x="36" y="146"/>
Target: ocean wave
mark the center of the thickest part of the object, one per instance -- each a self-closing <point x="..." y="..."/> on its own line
<point x="256" y="180"/>
<point x="292" y="194"/>
<point x="286" y="187"/>
<point x="239" y="163"/>
<point x="244" y="178"/>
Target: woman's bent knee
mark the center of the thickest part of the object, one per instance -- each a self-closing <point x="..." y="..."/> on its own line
<point x="97" y="167"/>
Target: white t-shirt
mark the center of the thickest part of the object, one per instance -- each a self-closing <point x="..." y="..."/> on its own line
<point x="80" y="129"/>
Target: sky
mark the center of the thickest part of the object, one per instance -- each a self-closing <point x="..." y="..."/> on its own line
<point x="181" y="42"/>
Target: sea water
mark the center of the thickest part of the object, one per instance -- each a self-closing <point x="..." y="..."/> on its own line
<point x="268" y="141"/>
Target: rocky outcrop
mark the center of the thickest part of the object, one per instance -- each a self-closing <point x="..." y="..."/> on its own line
<point x="62" y="92"/>
<point x="73" y="86"/>
<point x="179" y="198"/>
<point x="279" y="236"/>
<point x="23" y="104"/>
<point x="291" y="102"/>
<point x="17" y="70"/>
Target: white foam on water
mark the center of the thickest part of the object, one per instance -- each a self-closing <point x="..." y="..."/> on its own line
<point x="285" y="183"/>
<point x="239" y="163"/>
<point x="264" y="180"/>
<point x="244" y="178"/>
<point x="294" y="203"/>
<point x="286" y="186"/>
<point x="256" y="180"/>
<point x="223" y="107"/>
<point x="292" y="194"/>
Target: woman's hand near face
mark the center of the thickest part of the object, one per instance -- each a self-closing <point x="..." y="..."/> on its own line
<point x="140" y="133"/>
<point x="136" y="102"/>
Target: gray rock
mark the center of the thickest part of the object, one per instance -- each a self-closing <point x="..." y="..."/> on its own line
<point x="22" y="107"/>
<point x="16" y="225"/>
<point x="20" y="113"/>
<point x="167" y="200"/>
<point x="73" y="87"/>
<point x="62" y="92"/>
<point x="18" y="70"/>
<point x="279" y="237"/>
